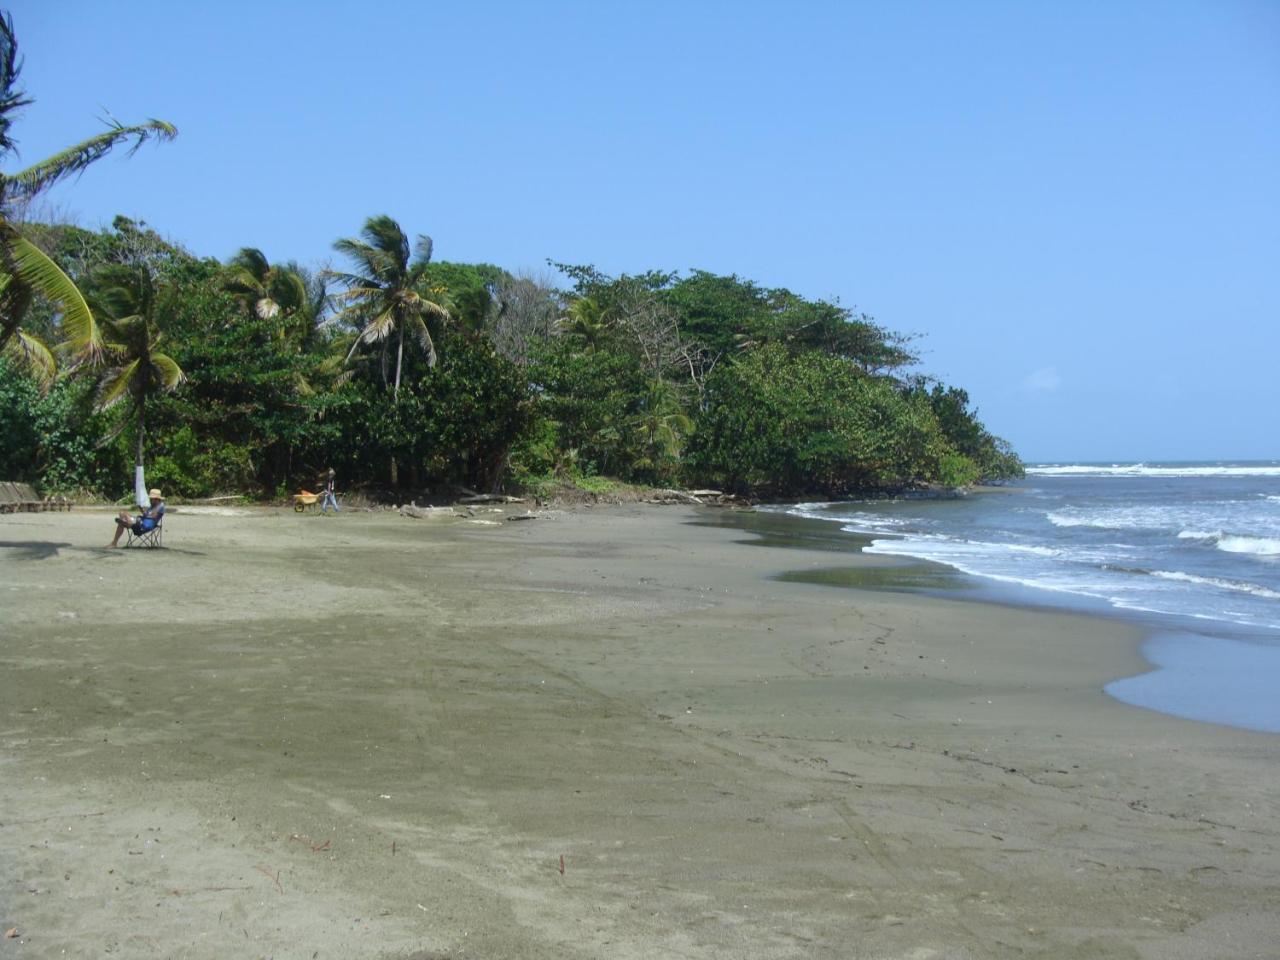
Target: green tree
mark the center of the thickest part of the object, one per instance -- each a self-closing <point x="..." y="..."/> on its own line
<point x="25" y="269"/>
<point x="133" y="369"/>
<point x="386" y="300"/>
<point x="284" y="293"/>
<point x="468" y="287"/>
<point x="778" y="423"/>
<point x="51" y="437"/>
<point x="660" y="429"/>
<point x="584" y="322"/>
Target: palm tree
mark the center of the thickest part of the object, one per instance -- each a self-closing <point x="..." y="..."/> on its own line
<point x="287" y="293"/>
<point x="25" y="269"/>
<point x="387" y="298"/>
<point x="132" y="369"/>
<point x="585" y="322"/>
<point x="662" y="425"/>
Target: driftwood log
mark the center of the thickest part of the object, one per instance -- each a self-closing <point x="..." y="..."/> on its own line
<point x="427" y="513"/>
<point x="699" y="497"/>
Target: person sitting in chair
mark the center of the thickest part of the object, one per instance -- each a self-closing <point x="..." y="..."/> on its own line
<point x="143" y="522"/>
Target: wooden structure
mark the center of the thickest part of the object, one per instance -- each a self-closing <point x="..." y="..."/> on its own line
<point x="22" y="498"/>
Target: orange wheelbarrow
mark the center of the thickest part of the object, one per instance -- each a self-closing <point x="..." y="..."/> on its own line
<point x="304" y="500"/>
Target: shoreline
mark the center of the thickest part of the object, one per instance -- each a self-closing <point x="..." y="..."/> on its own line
<point x="376" y="737"/>
<point x="1175" y="648"/>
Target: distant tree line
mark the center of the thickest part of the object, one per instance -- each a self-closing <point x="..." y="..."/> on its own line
<point x="406" y="373"/>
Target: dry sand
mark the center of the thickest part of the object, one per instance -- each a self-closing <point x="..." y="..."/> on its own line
<point x="605" y="733"/>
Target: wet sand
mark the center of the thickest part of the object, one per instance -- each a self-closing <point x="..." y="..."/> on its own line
<point x="605" y="733"/>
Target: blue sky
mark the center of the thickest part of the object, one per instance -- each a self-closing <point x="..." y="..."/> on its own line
<point x="1076" y="204"/>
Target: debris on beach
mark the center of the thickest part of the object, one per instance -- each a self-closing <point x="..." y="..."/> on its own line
<point x="491" y="498"/>
<point x="715" y="498"/>
<point x="427" y="513"/>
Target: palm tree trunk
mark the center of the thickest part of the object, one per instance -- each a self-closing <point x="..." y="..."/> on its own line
<point x="137" y="451"/>
<point x="395" y="468"/>
<point x="399" y="358"/>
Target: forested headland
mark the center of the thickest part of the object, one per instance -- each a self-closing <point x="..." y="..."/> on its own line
<point x="404" y="373"/>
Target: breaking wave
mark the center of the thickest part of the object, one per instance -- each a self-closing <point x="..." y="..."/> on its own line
<point x="1270" y="469"/>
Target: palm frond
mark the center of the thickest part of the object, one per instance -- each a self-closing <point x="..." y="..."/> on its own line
<point x="354" y="294"/>
<point x="289" y="289"/>
<point x="422" y="249"/>
<point x="34" y="267"/>
<point x="379" y="266"/>
<point x="420" y="333"/>
<point x="379" y="328"/>
<point x="167" y="372"/>
<point x="115" y="385"/>
<point x="385" y="235"/>
<point x="349" y="280"/>
<point x="432" y="309"/>
<point x="29" y="353"/>
<point x="242" y="284"/>
<point x="73" y="160"/>
<point x="252" y="261"/>
<point x="11" y="100"/>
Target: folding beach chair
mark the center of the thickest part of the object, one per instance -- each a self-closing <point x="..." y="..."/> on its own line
<point x="152" y="539"/>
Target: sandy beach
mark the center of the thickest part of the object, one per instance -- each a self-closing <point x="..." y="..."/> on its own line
<point x="604" y="733"/>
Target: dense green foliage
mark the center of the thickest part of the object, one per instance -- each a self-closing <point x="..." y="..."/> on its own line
<point x="653" y="378"/>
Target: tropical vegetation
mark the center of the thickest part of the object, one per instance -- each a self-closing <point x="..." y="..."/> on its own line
<point x="409" y="374"/>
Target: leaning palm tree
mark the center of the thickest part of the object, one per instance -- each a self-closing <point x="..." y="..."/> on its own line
<point x="132" y="369"/>
<point x="387" y="299"/>
<point x="25" y="269"/>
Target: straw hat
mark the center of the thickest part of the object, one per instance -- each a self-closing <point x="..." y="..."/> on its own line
<point x="155" y="494"/>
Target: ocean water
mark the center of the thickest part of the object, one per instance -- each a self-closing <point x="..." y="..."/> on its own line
<point x="1191" y="550"/>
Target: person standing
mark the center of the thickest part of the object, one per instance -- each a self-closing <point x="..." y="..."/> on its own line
<point x="329" y="498"/>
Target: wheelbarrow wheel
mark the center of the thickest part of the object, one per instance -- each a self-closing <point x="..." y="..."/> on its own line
<point x="298" y="506"/>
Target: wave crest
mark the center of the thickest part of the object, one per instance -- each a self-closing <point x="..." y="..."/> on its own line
<point x="1159" y="470"/>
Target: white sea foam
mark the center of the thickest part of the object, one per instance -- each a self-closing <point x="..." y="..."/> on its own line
<point x="1235" y="543"/>
<point x="974" y="559"/>
<point x="1239" y="586"/>
<point x="1143" y="470"/>
<point x="1122" y="518"/>
<point x="857" y="521"/>
<point x="1089" y="573"/>
<point x="1258" y="546"/>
